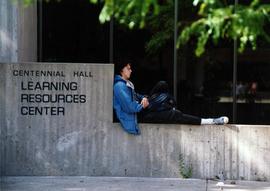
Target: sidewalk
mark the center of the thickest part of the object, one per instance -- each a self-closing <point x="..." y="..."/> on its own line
<point x="82" y="183"/>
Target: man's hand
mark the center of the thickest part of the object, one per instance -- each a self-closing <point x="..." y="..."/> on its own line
<point x="144" y="102"/>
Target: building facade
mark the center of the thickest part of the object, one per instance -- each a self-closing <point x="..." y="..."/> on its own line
<point x="220" y="82"/>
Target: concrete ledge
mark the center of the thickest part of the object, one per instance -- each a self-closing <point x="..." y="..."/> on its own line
<point x="123" y="184"/>
<point x="85" y="142"/>
<point x="237" y="151"/>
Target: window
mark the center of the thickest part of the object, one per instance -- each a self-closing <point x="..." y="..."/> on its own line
<point x="71" y="32"/>
<point x="205" y="84"/>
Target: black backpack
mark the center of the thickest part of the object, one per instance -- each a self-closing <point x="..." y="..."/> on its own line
<point x="160" y="102"/>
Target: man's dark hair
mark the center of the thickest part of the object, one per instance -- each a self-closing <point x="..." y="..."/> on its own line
<point x="120" y="65"/>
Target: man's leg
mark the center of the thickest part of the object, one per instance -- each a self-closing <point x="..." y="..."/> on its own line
<point x="181" y="118"/>
<point x="171" y="116"/>
<point x="177" y="117"/>
<point x="194" y="120"/>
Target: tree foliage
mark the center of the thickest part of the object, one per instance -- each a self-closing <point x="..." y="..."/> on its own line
<point x="245" y="23"/>
<point x="132" y="13"/>
<point x="162" y="28"/>
<point x="216" y="20"/>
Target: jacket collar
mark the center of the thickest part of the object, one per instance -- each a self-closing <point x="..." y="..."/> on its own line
<point x="128" y="83"/>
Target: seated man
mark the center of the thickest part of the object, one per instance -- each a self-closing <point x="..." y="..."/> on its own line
<point x="159" y="107"/>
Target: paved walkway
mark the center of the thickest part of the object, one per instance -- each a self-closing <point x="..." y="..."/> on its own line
<point x="81" y="183"/>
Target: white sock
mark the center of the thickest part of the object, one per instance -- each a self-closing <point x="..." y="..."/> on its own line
<point x="208" y="121"/>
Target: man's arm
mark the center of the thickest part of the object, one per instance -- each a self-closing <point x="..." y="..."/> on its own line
<point x="124" y="98"/>
<point x="142" y="99"/>
<point x="139" y="96"/>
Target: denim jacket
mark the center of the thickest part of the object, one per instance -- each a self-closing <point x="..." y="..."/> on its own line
<point x="126" y="103"/>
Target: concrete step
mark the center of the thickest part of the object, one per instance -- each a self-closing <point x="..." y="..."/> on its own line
<point x="85" y="183"/>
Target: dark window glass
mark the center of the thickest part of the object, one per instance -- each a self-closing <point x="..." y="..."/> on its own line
<point x="148" y="69"/>
<point x="71" y="32"/>
<point x="253" y="87"/>
<point x="205" y="82"/>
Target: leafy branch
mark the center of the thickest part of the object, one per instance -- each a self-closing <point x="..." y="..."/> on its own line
<point x="245" y="23"/>
<point x="217" y="20"/>
<point x="132" y="13"/>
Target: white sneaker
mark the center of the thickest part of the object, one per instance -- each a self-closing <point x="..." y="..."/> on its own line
<point x="221" y="120"/>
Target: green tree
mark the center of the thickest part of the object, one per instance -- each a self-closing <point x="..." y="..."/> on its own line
<point x="220" y="20"/>
<point x="132" y="13"/>
<point x="215" y="20"/>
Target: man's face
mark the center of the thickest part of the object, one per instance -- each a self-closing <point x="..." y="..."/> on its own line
<point x="126" y="72"/>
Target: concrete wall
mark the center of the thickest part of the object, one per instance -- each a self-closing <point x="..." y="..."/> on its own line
<point x="26" y="140"/>
<point x="86" y="142"/>
<point x="18" y="31"/>
<point x="27" y="33"/>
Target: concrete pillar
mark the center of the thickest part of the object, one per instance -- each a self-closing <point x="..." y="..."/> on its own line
<point x="18" y="32"/>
